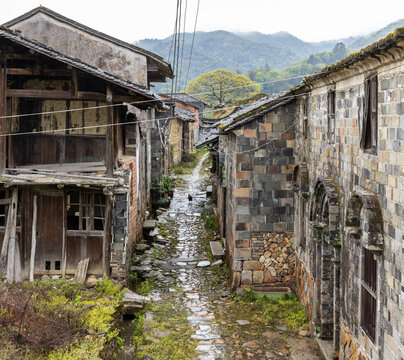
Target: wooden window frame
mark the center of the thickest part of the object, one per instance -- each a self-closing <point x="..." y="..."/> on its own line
<point x="369" y="126"/>
<point x="368" y="294"/>
<point x="331" y="110"/>
<point x="86" y="212"/>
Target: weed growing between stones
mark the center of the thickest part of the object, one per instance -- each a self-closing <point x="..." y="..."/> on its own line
<point x="168" y="333"/>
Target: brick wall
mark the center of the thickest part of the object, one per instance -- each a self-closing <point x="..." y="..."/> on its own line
<point x="259" y="191"/>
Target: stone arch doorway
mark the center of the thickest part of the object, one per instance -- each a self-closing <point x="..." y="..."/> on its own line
<point x="325" y="223"/>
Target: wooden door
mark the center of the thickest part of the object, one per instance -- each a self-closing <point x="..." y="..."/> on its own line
<point x="49" y="244"/>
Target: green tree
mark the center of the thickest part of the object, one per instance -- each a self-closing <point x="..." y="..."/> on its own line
<point x="222" y="87"/>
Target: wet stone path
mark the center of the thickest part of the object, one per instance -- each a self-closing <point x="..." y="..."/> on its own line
<point x="193" y="315"/>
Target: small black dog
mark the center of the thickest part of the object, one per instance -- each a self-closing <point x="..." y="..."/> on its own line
<point x="189" y="197"/>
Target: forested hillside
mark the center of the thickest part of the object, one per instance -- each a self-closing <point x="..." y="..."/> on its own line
<point x="276" y="55"/>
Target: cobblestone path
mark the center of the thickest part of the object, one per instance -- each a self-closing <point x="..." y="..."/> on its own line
<point x="205" y="321"/>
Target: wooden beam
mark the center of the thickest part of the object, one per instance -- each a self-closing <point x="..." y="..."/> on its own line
<point x="107" y="236"/>
<point x="33" y="239"/>
<point x="38" y="72"/>
<point x="38" y="94"/>
<point x="75" y="83"/>
<point x="109" y="156"/>
<point x="3" y="113"/>
<point x="4" y="248"/>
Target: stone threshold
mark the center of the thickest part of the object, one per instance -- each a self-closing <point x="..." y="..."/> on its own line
<point x="326" y="348"/>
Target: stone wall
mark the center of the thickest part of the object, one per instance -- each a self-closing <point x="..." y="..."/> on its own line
<point x="276" y="264"/>
<point x="259" y="195"/>
<point x="357" y="173"/>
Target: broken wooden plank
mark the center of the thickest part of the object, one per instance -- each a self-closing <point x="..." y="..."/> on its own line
<point x="11" y="256"/>
<point x="33" y="240"/>
<point x="81" y="271"/>
<point x="4" y="249"/>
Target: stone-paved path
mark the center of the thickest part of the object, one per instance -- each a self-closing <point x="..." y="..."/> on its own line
<point x="220" y="328"/>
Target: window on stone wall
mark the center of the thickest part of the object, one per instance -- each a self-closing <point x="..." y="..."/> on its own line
<point x="305" y="116"/>
<point x="368" y="124"/>
<point x="368" y="293"/>
<point x="331" y="102"/>
<point x="85" y="211"/>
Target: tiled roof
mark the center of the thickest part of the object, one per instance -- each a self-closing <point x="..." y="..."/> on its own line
<point x="185" y="99"/>
<point x="78" y="64"/>
<point x="209" y="135"/>
<point x="184" y="114"/>
<point x="165" y="66"/>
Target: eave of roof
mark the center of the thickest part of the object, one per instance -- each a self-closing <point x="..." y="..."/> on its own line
<point x="372" y="49"/>
<point x="165" y="66"/>
<point x="184" y="114"/>
<point x="78" y="64"/>
<point x="207" y="137"/>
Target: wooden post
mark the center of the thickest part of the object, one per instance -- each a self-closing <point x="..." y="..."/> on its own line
<point x="107" y="236"/>
<point x="109" y="156"/>
<point x="33" y="241"/>
<point x="12" y="240"/>
<point x="3" y="121"/>
<point x="4" y="248"/>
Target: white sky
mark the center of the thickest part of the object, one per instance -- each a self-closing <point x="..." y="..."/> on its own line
<point x="310" y="20"/>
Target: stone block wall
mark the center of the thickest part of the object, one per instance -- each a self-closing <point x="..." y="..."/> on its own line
<point x="358" y="173"/>
<point x="259" y="191"/>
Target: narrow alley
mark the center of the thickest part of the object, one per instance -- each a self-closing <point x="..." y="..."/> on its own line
<point x="192" y="315"/>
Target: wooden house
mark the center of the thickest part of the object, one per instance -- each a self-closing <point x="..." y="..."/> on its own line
<point x="75" y="164"/>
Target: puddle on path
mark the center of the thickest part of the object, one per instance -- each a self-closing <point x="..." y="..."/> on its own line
<point x="192" y="307"/>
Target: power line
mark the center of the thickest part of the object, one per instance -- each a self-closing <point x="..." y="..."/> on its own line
<point x="151" y="101"/>
<point x="183" y="38"/>
<point x="192" y="44"/>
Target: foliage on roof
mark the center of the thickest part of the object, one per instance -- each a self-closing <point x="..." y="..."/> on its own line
<point x="373" y="49"/>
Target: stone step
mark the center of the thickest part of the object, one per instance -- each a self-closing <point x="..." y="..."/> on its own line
<point x="209" y="190"/>
<point x="217" y="250"/>
<point x="149" y="224"/>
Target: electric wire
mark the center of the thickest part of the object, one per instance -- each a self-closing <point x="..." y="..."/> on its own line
<point x="192" y="44"/>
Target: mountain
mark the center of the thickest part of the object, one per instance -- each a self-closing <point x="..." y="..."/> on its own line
<point x="243" y="52"/>
<point x="374" y="36"/>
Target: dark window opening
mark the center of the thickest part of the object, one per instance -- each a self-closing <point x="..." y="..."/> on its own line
<point x="369" y="118"/>
<point x="47" y="265"/>
<point x="57" y="265"/>
<point x="85" y="211"/>
<point x="305" y="116"/>
<point x="368" y="294"/>
<point x="6" y="196"/>
<point x="331" y="105"/>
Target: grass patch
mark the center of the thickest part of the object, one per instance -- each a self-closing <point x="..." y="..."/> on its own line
<point x="187" y="166"/>
<point x="59" y="320"/>
<point x="284" y="311"/>
<point x="164" y="335"/>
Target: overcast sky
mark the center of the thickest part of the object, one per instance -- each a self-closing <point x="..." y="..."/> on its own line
<point x="310" y="20"/>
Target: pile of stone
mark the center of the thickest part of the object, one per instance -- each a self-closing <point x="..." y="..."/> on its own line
<point x="279" y="257"/>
